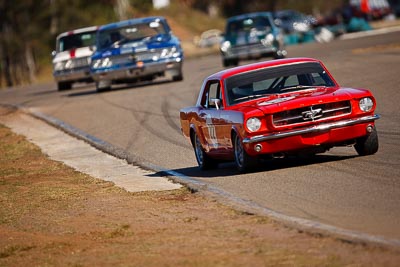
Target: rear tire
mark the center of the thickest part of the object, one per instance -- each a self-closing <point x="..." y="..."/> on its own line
<point x="244" y="162"/>
<point x="204" y="161"/>
<point x="367" y="145"/>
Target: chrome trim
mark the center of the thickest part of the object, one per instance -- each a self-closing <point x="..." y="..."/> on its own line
<point x="313" y="129"/>
<point x="323" y="112"/>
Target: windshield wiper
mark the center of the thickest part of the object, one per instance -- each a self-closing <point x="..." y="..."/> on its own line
<point x="116" y="44"/>
<point x="297" y="87"/>
<point x="249" y="97"/>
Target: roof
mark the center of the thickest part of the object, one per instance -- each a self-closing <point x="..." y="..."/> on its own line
<point x="125" y="23"/>
<point x="78" y="31"/>
<point x="260" y="65"/>
<point x="249" y="15"/>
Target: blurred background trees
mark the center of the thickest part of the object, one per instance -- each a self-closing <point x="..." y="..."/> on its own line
<point x="28" y="28"/>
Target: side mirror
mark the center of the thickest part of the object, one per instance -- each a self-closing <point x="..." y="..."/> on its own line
<point x="215" y="102"/>
<point x="53" y="53"/>
<point x="278" y="22"/>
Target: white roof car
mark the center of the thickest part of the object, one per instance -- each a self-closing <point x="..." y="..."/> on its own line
<point x="71" y="59"/>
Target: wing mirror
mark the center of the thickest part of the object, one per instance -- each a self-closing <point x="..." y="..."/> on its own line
<point x="215" y="102"/>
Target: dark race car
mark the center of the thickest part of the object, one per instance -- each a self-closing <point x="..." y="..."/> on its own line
<point x="251" y="36"/>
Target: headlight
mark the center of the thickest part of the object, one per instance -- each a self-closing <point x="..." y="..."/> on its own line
<point x="300" y="27"/>
<point x="366" y="104"/>
<point x="225" y="46"/>
<point x="102" y="63"/>
<point x="59" y="66"/>
<point x="169" y="52"/>
<point x="253" y="124"/>
<point x="69" y="64"/>
<point x="269" y="39"/>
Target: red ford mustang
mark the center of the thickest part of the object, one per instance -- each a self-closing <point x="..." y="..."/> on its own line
<point x="278" y="107"/>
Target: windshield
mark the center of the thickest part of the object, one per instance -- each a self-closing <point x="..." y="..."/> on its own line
<point x="248" y="25"/>
<point x="290" y="15"/>
<point x="276" y="80"/>
<point x="74" y="41"/>
<point x="119" y="36"/>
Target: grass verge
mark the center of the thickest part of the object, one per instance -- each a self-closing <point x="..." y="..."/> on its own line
<point x="51" y="215"/>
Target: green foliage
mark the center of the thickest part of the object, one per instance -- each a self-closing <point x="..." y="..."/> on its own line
<point x="142" y="5"/>
<point x="28" y="28"/>
<point x="194" y="21"/>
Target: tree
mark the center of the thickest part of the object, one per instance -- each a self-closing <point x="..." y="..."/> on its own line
<point x="28" y="29"/>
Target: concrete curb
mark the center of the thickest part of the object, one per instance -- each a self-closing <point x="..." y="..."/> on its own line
<point x="312" y="227"/>
<point x="83" y="156"/>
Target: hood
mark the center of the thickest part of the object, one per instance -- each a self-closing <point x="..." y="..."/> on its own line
<point x="135" y="46"/>
<point x="277" y="103"/>
<point x="247" y="37"/>
<point x="73" y="53"/>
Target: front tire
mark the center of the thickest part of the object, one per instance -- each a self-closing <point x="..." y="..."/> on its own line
<point x="203" y="160"/>
<point x="367" y="145"/>
<point x="62" y="86"/>
<point x="178" y="78"/>
<point x="228" y="62"/>
<point x="101" y="87"/>
<point x="244" y="162"/>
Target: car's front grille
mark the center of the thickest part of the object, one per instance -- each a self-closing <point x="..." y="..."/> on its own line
<point x="124" y="59"/>
<point x="248" y="48"/>
<point x="76" y="63"/>
<point x="81" y="62"/>
<point x="149" y="55"/>
<point x="311" y="113"/>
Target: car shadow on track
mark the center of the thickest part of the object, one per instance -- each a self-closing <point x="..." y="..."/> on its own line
<point x="118" y="88"/>
<point x="229" y="169"/>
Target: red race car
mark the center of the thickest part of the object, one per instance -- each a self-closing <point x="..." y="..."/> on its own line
<point x="276" y="108"/>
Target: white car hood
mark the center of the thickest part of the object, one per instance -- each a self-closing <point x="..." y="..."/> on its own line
<point x="73" y="53"/>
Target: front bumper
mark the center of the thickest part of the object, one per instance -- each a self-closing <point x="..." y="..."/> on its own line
<point x="314" y="129"/>
<point x="72" y="75"/>
<point x="249" y="51"/>
<point x="170" y="67"/>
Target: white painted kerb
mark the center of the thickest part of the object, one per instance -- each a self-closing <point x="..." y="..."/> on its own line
<point x="83" y="157"/>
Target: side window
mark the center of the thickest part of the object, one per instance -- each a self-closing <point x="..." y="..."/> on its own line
<point x="211" y="92"/>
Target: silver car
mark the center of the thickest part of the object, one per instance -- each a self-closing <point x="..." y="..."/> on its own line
<point x="72" y="57"/>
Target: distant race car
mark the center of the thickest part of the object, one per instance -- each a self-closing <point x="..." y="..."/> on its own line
<point x="71" y="59"/>
<point x="277" y="108"/>
<point x="293" y="21"/>
<point x="251" y="36"/>
<point x="135" y="50"/>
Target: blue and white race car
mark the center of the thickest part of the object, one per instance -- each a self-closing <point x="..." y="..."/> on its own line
<point x="136" y="50"/>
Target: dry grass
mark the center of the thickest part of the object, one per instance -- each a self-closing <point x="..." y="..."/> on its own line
<point x="51" y="215"/>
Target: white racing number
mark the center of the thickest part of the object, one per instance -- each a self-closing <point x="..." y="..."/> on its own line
<point x="211" y="131"/>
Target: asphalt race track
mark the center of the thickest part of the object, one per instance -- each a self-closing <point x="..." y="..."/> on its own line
<point x="338" y="188"/>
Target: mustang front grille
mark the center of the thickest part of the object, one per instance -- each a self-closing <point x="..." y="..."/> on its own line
<point x="311" y="113"/>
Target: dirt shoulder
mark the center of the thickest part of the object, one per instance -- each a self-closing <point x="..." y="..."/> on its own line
<point x="51" y="215"/>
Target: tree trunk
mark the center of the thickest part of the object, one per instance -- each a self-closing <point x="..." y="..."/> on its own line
<point x="30" y="62"/>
